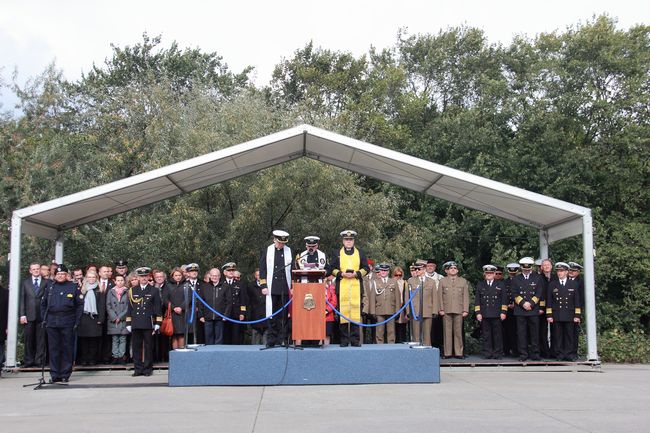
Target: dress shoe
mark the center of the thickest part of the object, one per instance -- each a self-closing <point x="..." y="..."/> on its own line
<point x="146" y="373"/>
<point x="137" y="373"/>
<point x="344" y="345"/>
<point x="54" y="380"/>
<point x="65" y="380"/>
<point x="523" y="358"/>
<point x="535" y="358"/>
<point x="356" y="344"/>
<point x="459" y="357"/>
<point x="270" y="345"/>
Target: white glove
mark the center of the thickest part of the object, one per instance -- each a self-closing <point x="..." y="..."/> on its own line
<point x="156" y="327"/>
<point x="128" y="328"/>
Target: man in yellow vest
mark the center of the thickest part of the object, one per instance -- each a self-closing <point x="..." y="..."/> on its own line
<point x="349" y="265"/>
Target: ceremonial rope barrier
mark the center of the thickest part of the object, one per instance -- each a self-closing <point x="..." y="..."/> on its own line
<point x="252" y="322"/>
<point x="373" y="325"/>
<point x="243" y="322"/>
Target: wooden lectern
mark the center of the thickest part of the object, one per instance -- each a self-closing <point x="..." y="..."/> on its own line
<point x="308" y="306"/>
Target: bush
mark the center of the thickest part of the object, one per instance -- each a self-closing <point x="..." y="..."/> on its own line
<point x="624" y="347"/>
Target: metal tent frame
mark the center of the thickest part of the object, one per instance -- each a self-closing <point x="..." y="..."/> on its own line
<point x="555" y="219"/>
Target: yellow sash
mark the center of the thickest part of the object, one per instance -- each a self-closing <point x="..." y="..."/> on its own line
<point x="350" y="288"/>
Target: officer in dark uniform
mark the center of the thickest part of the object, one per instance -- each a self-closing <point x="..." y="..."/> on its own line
<point x="563" y="310"/>
<point x="236" y="297"/>
<point x="143" y="320"/>
<point x="510" y="324"/>
<point x="527" y="291"/>
<point x="276" y="264"/>
<point x="574" y="275"/>
<point x="61" y="308"/>
<point x="490" y="308"/>
<point x="122" y="268"/>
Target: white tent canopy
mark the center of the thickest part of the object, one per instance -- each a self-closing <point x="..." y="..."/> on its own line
<point x="554" y="218"/>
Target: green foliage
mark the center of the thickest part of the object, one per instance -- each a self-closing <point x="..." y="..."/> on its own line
<point x="563" y="114"/>
<point x="624" y="347"/>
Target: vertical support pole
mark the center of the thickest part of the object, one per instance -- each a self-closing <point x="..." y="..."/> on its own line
<point x="590" y="291"/>
<point x="543" y="244"/>
<point x="58" y="248"/>
<point x="14" y="290"/>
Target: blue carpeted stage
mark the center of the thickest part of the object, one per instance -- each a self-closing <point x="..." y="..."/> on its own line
<point x="248" y="365"/>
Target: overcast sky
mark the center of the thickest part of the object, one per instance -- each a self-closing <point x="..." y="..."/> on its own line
<point x="75" y="33"/>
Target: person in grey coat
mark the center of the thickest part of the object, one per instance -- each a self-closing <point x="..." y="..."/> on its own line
<point x="117" y="305"/>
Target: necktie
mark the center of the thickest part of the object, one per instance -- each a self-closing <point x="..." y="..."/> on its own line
<point x="103" y="286"/>
<point x="384" y="280"/>
<point x="35" y="284"/>
<point x="490" y="283"/>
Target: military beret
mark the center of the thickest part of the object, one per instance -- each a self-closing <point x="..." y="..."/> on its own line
<point x="348" y="234"/>
<point x="143" y="271"/>
<point x="489" y="268"/>
<point x="230" y="266"/>
<point x="192" y="267"/>
<point x="561" y="266"/>
<point x="431" y="261"/>
<point x="61" y="268"/>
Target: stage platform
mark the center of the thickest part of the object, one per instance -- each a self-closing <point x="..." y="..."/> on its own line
<point x="248" y="365"/>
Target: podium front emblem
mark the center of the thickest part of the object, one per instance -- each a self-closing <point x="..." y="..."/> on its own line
<point x="309" y="303"/>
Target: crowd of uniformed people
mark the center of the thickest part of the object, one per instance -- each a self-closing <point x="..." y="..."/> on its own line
<point x="106" y="314"/>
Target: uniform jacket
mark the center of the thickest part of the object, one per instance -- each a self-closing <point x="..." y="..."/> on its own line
<point x="257" y="303"/>
<point x="383" y="299"/>
<point x="432" y="300"/>
<point x="116" y="308"/>
<point x="237" y="299"/>
<point x="4" y="312"/>
<point x="563" y="302"/>
<point x="527" y="290"/>
<point x="491" y="300"/>
<point x="455" y="295"/>
<point x="30" y="301"/>
<point x="144" y="310"/>
<point x="62" y="305"/>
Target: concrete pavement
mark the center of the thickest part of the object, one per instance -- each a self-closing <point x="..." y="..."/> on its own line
<point x="467" y="400"/>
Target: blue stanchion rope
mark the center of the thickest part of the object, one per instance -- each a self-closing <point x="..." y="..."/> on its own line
<point x="243" y="322"/>
<point x="372" y="325"/>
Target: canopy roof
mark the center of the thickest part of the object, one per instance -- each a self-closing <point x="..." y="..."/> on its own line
<point x="558" y="218"/>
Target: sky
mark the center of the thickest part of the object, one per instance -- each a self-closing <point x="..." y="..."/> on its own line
<point x="75" y="34"/>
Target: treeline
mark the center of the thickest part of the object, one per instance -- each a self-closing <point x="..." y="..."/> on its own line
<point x="564" y="114"/>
